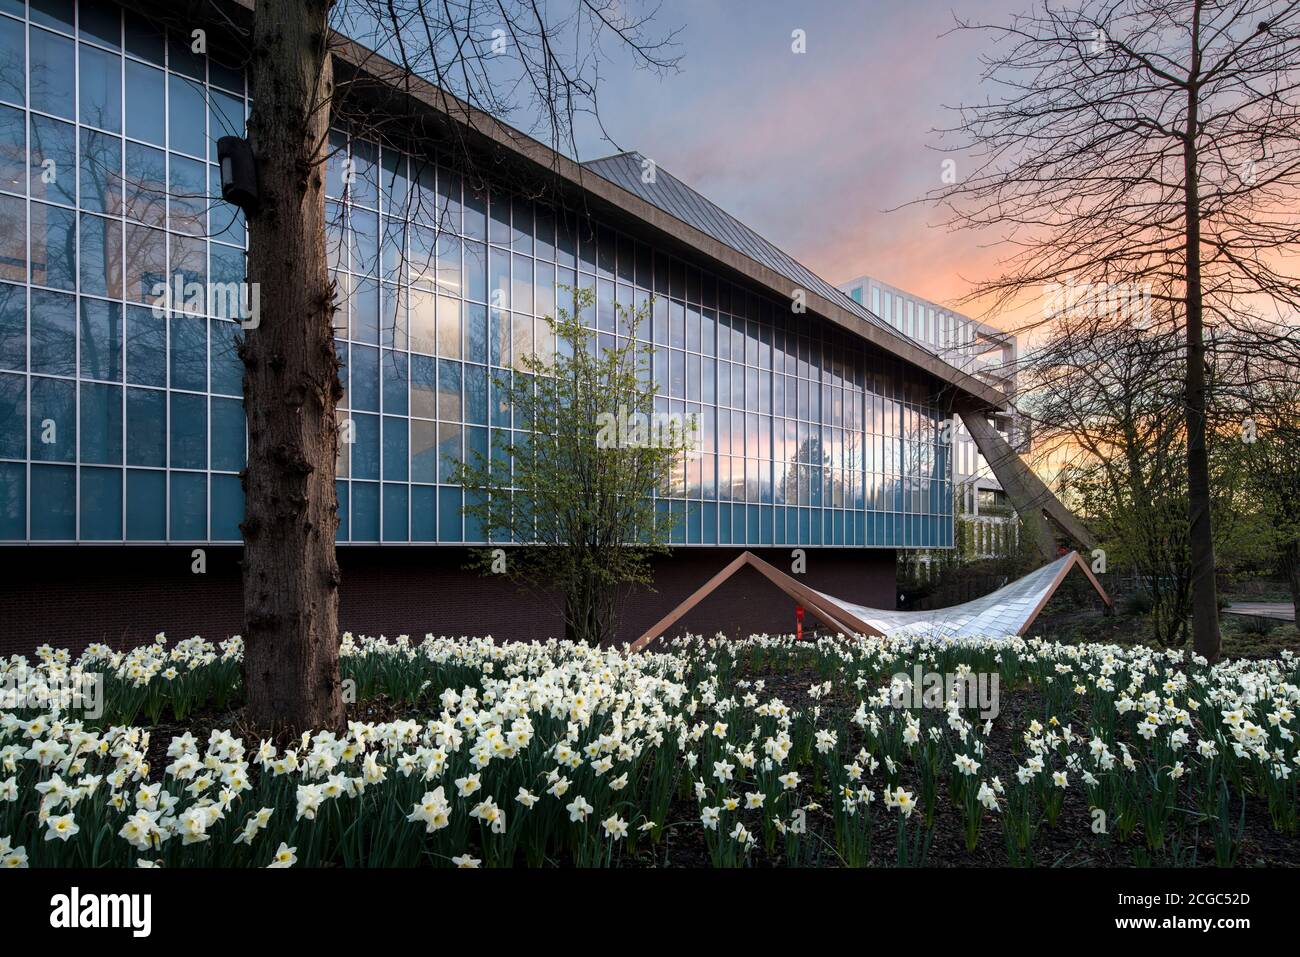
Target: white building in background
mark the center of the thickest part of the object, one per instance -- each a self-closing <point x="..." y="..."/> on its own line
<point x="982" y="351"/>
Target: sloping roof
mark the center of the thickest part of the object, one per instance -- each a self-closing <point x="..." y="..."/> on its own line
<point x="1010" y="610"/>
<point x="670" y="194"/>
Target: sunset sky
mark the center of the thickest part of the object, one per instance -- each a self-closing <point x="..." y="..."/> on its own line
<point x="811" y="150"/>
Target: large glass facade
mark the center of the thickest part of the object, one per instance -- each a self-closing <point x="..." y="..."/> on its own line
<point x="118" y="424"/>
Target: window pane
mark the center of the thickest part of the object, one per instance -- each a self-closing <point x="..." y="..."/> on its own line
<point x="146" y="184"/>
<point x="54" y="502"/>
<point x="188" y="189"/>
<point x="189" y="262"/>
<point x="395" y="513"/>
<point x="13" y="498"/>
<point x="146" y="427"/>
<point x="101" y="423"/>
<point x="13" y="238"/>
<point x="145" y="110"/>
<point x="229" y="299"/>
<point x="422" y="321"/>
<point x="146" y="505"/>
<point x="449" y="515"/>
<point x="227" y="369"/>
<point x="424" y="514"/>
<point x="424" y="451"/>
<point x="146" y="263"/>
<point x="449" y="391"/>
<point x="365" y="511"/>
<point x="101" y="24"/>
<point x="365" y="446"/>
<point x="365" y="378"/>
<point x="146" y="347"/>
<point x="475" y="276"/>
<point x="449" y="450"/>
<point x="13" y="149"/>
<point x="53" y="160"/>
<point x="449" y="327"/>
<point x="59" y="14"/>
<point x="225" y="221"/>
<point x="423" y="396"/>
<point x="189" y="506"/>
<point x="101" y="256"/>
<point x="53" y="76"/>
<point x="101" y="172"/>
<point x="395" y="448"/>
<point x="13" y="417"/>
<point x="227" y="508"/>
<point x="228" y="445"/>
<point x="13" y="327"/>
<point x="341" y="492"/>
<point x="101" y="89"/>
<point x="395" y="384"/>
<point x="189" y="431"/>
<point x="187" y="113"/>
<point x="189" y="353"/>
<point x="53" y="345"/>
<point x="54" y="247"/>
<point x="101" y="504"/>
<point x="364" y="302"/>
<point x="12" y="52"/>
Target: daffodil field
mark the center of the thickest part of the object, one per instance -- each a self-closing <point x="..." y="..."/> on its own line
<point x="767" y="751"/>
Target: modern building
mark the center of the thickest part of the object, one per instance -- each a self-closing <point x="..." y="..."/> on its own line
<point x="990" y="355"/>
<point x="122" y="433"/>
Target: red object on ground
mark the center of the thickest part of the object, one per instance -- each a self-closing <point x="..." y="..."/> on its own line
<point x="798" y="622"/>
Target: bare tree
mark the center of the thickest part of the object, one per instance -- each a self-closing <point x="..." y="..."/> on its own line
<point x="1105" y="399"/>
<point x="306" y="76"/>
<point x="1149" y="147"/>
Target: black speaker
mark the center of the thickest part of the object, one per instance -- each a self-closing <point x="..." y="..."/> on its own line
<point x="238" y="173"/>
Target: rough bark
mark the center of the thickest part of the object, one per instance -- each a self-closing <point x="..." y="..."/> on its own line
<point x="291" y="387"/>
<point x="1205" y="605"/>
<point x="1291" y="565"/>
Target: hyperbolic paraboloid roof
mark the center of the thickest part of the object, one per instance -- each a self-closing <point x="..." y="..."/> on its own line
<point x="1008" y="611"/>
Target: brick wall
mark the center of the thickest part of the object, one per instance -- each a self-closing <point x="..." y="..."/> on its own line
<point x="69" y="596"/>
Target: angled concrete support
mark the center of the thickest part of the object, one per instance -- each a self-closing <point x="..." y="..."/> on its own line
<point x="1005" y="611"/>
<point x="827" y="612"/>
<point x="1031" y="499"/>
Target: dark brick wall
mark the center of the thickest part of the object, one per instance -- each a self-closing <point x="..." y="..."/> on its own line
<point x="69" y="596"/>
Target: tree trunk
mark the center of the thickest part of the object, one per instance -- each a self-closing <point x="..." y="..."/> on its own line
<point x="291" y="387"/>
<point x="1205" y="605"/>
<point x="1291" y="565"/>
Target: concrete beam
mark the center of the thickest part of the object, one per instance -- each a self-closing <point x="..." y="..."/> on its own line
<point x="1030" y="497"/>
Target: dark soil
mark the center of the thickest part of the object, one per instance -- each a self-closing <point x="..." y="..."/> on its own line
<point x="1070" y="843"/>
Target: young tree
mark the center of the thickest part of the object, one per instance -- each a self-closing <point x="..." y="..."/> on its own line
<point x="291" y="386"/>
<point x="1152" y="148"/>
<point x="576" y="493"/>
